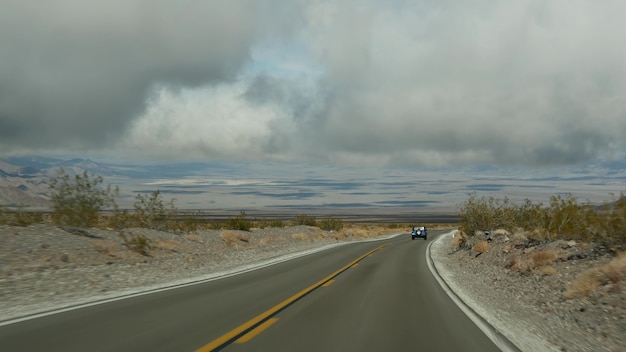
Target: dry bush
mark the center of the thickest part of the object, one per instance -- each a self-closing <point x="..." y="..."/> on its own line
<point x="548" y="271"/>
<point x="105" y="247"/>
<point x="360" y="233"/>
<point x="520" y="236"/>
<point x="481" y="247"/>
<point x="300" y="236"/>
<point x="459" y="239"/>
<point x="590" y="280"/>
<point x="615" y="271"/>
<point x="264" y="241"/>
<point x="233" y="236"/>
<point x="543" y="258"/>
<point x="501" y="232"/>
<point x="195" y="238"/>
<point x="519" y="264"/>
<point x="319" y="236"/>
<point x="339" y="235"/>
<point x="586" y="283"/>
<point x="136" y="243"/>
<point x="165" y="245"/>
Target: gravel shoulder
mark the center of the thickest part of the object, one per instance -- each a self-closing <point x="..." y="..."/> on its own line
<point x="45" y="268"/>
<point x="530" y="307"/>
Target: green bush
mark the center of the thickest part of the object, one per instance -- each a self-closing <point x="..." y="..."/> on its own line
<point x="486" y="214"/>
<point x="563" y="218"/>
<point x="271" y="223"/>
<point x="240" y="222"/>
<point x="304" y="220"/>
<point x="153" y="213"/>
<point x="77" y="201"/>
<point x="331" y="224"/>
<point x="19" y="217"/>
<point x="137" y="243"/>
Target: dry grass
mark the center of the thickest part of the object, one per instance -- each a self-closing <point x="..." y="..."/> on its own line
<point x="319" y="235"/>
<point x="264" y="241"/>
<point x="548" y="271"/>
<point x="520" y="236"/>
<point x="501" y="232"/>
<point x="106" y="247"/>
<point x="231" y="237"/>
<point x="195" y="238"/>
<point x="592" y="279"/>
<point x="543" y="258"/>
<point x="365" y="231"/>
<point x="459" y="239"/>
<point x="481" y="247"/>
<point x="340" y="235"/>
<point x="520" y="264"/>
<point x="300" y="236"/>
<point x="165" y="245"/>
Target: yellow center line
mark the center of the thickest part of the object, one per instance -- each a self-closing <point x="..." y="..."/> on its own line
<point x="328" y="283"/>
<point x="259" y="329"/>
<point x="250" y="324"/>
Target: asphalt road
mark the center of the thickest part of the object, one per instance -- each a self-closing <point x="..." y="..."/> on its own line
<point x="374" y="296"/>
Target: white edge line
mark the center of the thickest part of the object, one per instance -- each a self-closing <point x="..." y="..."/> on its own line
<point x="494" y="335"/>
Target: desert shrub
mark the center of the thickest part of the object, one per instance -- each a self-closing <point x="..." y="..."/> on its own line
<point x="187" y="222"/>
<point x="480" y="214"/>
<point x="217" y="225"/>
<point x="481" y="247"/>
<point x="77" y="201"/>
<point x="563" y="218"/>
<point x="615" y="225"/>
<point x="136" y="243"/>
<point x="276" y="223"/>
<point x="590" y="280"/>
<point x="300" y="236"/>
<point x="121" y="219"/>
<point x="306" y="220"/>
<point x="152" y="212"/>
<point x="331" y="224"/>
<point x="271" y="223"/>
<point x="240" y="222"/>
<point x="548" y="271"/>
<point x="520" y="264"/>
<point x="231" y="237"/>
<point x="543" y="258"/>
<point x="459" y="240"/>
<point x="20" y="217"/>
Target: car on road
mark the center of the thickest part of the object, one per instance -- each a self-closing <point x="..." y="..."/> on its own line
<point x="419" y="232"/>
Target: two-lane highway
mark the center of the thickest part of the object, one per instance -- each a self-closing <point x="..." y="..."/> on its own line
<point x="369" y="296"/>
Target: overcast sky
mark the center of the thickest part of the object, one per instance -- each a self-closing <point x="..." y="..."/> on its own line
<point x="362" y="82"/>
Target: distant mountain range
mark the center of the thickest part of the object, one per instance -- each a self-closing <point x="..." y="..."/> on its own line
<point x="24" y="180"/>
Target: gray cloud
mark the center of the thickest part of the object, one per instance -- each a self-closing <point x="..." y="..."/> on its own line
<point x="480" y="82"/>
<point x="76" y="72"/>
<point x="393" y="82"/>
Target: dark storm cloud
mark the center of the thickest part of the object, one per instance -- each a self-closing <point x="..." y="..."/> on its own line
<point x="74" y="73"/>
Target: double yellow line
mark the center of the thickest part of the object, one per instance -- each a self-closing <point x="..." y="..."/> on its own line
<point x="263" y="320"/>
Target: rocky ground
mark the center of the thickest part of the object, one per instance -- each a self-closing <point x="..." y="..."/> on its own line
<point x="44" y="267"/>
<point x="533" y="292"/>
